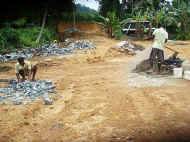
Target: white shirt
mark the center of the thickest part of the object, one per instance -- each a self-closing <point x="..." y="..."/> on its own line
<point x="27" y="66"/>
<point x="160" y="37"/>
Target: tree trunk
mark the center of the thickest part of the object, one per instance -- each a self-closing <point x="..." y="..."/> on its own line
<point x="150" y="30"/>
<point x="110" y="32"/>
<point x="74" y="19"/>
<point x="43" y="25"/>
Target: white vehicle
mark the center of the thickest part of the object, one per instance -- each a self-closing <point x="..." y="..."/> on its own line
<point x="132" y="27"/>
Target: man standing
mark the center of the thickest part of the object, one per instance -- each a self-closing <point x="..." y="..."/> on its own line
<point x="25" y="68"/>
<point x="157" y="53"/>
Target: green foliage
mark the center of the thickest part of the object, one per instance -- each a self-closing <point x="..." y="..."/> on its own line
<point x="117" y="30"/>
<point x="112" y="25"/>
<point x="20" y="22"/>
<point x="175" y="18"/>
<point x="11" y="39"/>
<point x="110" y="6"/>
<point x="159" y="17"/>
<point x="81" y="14"/>
<point x="181" y="16"/>
<point x="86" y="17"/>
<point x="8" y="39"/>
<point x="28" y="36"/>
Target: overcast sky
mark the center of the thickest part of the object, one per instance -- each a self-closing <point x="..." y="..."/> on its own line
<point x="93" y="4"/>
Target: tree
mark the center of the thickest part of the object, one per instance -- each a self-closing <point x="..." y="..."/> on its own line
<point x="32" y="9"/>
<point x="112" y="25"/>
<point x="36" y="11"/>
<point x="109" y="6"/>
<point x="43" y="25"/>
<point x="182" y="12"/>
<point x="143" y="5"/>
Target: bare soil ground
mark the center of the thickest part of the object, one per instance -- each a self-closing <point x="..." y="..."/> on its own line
<point x="95" y="103"/>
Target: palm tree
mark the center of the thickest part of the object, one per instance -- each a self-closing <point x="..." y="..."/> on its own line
<point x="112" y="24"/>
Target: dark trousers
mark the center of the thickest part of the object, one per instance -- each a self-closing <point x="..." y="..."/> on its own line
<point x="156" y="58"/>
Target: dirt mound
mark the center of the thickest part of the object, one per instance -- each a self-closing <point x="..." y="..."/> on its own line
<point x="143" y="66"/>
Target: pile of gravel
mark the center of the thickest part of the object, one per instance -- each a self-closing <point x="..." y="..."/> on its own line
<point x="26" y="53"/>
<point x="50" y="50"/>
<point x="129" y="46"/>
<point x="25" y="92"/>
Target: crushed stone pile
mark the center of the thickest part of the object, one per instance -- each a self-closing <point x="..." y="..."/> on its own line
<point x="81" y="44"/>
<point x="131" y="47"/>
<point x="125" y="48"/>
<point x="69" y="48"/>
<point x="26" y="53"/>
<point x="26" y="92"/>
<point x="50" y="50"/>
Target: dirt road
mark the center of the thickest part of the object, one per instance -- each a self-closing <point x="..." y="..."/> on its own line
<point x="94" y="104"/>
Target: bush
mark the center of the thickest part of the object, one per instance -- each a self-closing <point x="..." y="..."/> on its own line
<point x="111" y="25"/>
<point x="12" y="39"/>
<point x="28" y="36"/>
<point x="117" y="30"/>
<point x="2" y="44"/>
<point x="20" y="22"/>
<point x="9" y="39"/>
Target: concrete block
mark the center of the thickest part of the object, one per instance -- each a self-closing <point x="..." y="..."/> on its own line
<point x="186" y="75"/>
<point x="178" y="72"/>
<point x="186" y="65"/>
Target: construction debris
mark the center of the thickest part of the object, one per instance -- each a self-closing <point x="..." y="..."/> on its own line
<point x="124" y="48"/>
<point x="25" y="92"/>
<point x="130" y="48"/>
<point x="26" y="53"/>
<point x="50" y="50"/>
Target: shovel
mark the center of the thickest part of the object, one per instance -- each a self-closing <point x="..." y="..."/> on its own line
<point x="176" y="52"/>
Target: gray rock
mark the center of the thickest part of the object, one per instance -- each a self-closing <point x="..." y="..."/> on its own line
<point x="47" y="101"/>
<point x="27" y="91"/>
<point x="129" y="46"/>
<point x="49" y="50"/>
